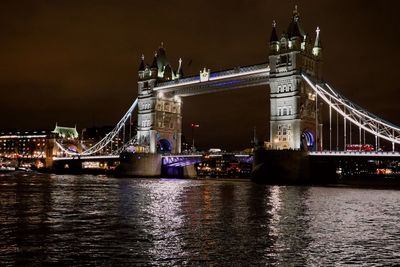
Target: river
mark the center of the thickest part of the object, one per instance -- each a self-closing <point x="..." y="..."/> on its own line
<point x="85" y="220"/>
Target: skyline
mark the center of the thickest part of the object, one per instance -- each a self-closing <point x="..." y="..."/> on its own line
<point x="90" y="64"/>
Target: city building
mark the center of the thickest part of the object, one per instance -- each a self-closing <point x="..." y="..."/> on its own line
<point x="24" y="144"/>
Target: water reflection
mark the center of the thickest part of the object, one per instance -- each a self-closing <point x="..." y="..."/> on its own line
<point x="89" y="220"/>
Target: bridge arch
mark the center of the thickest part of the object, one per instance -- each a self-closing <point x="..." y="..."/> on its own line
<point x="307" y="140"/>
<point x="164" y="146"/>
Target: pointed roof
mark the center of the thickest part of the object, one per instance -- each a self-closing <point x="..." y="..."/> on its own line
<point x="168" y="72"/>
<point x="317" y="42"/>
<point x="161" y="57"/>
<point x="294" y="29"/>
<point x="274" y="35"/>
<point x="154" y="64"/>
<point x="142" y="65"/>
<point x="180" y="69"/>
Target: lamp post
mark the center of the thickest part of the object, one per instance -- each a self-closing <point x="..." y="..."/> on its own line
<point x="193" y="125"/>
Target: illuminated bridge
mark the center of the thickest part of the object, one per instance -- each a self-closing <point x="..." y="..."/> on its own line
<point x="306" y="114"/>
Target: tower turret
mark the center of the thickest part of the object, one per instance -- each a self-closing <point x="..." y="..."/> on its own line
<point x="273" y="40"/>
<point x="295" y="32"/>
<point x="154" y="68"/>
<point x="142" y="68"/>
<point x="317" y="49"/>
<point x="179" y="72"/>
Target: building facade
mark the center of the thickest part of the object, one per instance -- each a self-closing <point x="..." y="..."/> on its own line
<point x="24" y="144"/>
<point x="159" y="124"/>
<point x="295" y="122"/>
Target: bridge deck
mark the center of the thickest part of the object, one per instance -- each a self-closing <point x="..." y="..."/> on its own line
<point x="371" y="154"/>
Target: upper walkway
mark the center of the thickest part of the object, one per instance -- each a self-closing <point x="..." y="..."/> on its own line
<point x="217" y="81"/>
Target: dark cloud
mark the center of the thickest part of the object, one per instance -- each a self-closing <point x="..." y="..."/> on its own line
<point x="76" y="61"/>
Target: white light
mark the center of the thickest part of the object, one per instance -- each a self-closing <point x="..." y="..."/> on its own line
<point x="177" y="99"/>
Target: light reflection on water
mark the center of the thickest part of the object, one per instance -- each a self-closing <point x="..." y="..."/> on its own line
<point x="89" y="220"/>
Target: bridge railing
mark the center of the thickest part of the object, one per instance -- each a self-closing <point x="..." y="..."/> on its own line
<point x="356" y="115"/>
<point x="354" y="153"/>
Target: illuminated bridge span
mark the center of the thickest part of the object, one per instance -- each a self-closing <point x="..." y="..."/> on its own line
<point x="212" y="82"/>
<point x="299" y="104"/>
<point x="187" y="160"/>
<point x="371" y="154"/>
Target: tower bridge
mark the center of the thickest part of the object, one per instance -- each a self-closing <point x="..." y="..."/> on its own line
<point x="293" y="73"/>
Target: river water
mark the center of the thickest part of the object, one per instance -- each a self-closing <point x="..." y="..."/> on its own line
<point x="64" y="220"/>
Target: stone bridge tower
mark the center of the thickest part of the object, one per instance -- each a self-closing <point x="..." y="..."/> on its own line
<point x="294" y="122"/>
<point x="159" y="124"/>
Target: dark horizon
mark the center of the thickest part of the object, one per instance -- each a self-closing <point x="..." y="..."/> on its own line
<point x="76" y="63"/>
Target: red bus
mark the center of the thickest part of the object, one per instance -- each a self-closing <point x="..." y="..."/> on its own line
<point x="358" y="147"/>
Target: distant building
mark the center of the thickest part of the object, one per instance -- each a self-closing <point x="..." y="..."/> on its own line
<point x="24" y="144"/>
<point x="68" y="138"/>
<point x="68" y="133"/>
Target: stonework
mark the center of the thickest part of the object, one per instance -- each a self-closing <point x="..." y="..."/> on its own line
<point x="293" y="104"/>
<point x="159" y="123"/>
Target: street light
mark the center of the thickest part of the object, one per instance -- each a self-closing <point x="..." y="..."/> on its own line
<point x="193" y="126"/>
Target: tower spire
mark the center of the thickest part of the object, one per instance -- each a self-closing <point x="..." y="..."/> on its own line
<point x="142" y="65"/>
<point x="274" y="35"/>
<point x="179" y="72"/>
<point x="317" y="49"/>
<point x="154" y="64"/>
<point x="273" y="40"/>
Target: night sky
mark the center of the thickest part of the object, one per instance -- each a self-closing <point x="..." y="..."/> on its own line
<point x="76" y="62"/>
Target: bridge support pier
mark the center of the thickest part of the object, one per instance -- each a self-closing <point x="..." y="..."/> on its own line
<point x="281" y="167"/>
<point x="139" y="165"/>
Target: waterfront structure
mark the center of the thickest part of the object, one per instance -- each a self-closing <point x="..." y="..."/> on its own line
<point x="24" y="144"/>
<point x="293" y="73"/>
<point x="159" y="124"/>
<point x="294" y="121"/>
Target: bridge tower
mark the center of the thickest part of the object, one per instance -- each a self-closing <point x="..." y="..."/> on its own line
<point x="295" y="122"/>
<point x="159" y="125"/>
